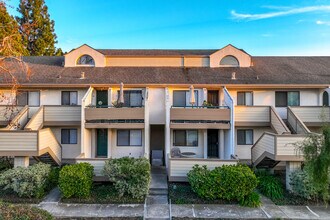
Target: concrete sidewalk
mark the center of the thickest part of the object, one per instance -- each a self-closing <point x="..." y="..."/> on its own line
<point x="267" y="211"/>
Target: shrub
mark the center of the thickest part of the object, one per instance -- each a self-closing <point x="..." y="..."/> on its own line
<point x="76" y="180"/>
<point x="53" y="176"/>
<point x="26" y="181"/>
<point x="10" y="211"/>
<point x="270" y="186"/>
<point x="301" y="185"/>
<point x="130" y="176"/>
<point x="233" y="182"/>
<point x="251" y="200"/>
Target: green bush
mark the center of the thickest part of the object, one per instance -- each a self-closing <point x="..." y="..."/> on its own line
<point x="53" y="176"/>
<point x="76" y="180"/>
<point x="26" y="181"/>
<point x="252" y="200"/>
<point x="22" y="212"/>
<point x="270" y="186"/>
<point x="233" y="182"/>
<point x="130" y="176"/>
<point x="301" y="185"/>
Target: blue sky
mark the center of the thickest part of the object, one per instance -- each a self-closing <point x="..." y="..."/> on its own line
<point x="261" y="27"/>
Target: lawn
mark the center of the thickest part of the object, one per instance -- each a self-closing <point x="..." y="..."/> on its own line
<point x="181" y="193"/>
<point x="104" y="193"/>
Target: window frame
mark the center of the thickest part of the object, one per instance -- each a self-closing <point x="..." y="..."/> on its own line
<point x="129" y="138"/>
<point x="69" y="129"/>
<point x="69" y="97"/>
<point x="186" y="136"/>
<point x="287" y="99"/>
<point x="245" y="132"/>
<point x="186" y="104"/>
<point x="80" y="64"/>
<point x="27" y="97"/>
<point x="229" y="65"/>
<point x="245" y="98"/>
<point x="129" y="98"/>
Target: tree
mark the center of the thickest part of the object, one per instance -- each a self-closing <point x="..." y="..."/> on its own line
<point x="11" y="40"/>
<point x="36" y="28"/>
<point x="316" y="152"/>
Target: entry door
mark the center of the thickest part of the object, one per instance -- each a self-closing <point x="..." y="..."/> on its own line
<point x="102" y="98"/>
<point x="102" y="143"/>
<point x="212" y="143"/>
<point x="213" y="97"/>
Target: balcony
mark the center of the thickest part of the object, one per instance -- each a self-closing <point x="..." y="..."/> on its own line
<point x="62" y="115"/>
<point x="313" y="116"/>
<point x="200" y="117"/>
<point x="111" y="117"/>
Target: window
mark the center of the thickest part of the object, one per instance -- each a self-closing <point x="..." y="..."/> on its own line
<point x="181" y="98"/>
<point x="284" y="99"/>
<point x="229" y="61"/>
<point x="31" y="98"/>
<point x="129" y="137"/>
<point x="132" y="98"/>
<point x="185" y="137"/>
<point x="69" y="98"/>
<point x="245" y="98"/>
<point x="86" y="60"/>
<point x="245" y="137"/>
<point x="69" y="136"/>
<point x="325" y="98"/>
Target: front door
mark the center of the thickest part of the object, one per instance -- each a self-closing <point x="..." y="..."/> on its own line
<point x="213" y="97"/>
<point x="102" y="98"/>
<point x="102" y="143"/>
<point x="212" y="143"/>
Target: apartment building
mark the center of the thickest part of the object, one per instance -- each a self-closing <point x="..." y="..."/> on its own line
<point x="176" y="107"/>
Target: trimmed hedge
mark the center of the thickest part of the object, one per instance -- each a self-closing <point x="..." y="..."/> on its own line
<point x="233" y="182"/>
<point x="30" y="182"/>
<point x="24" y="212"/>
<point x="76" y="180"/>
<point x="130" y="176"/>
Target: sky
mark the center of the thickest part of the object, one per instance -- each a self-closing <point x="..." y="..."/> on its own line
<point x="260" y="27"/>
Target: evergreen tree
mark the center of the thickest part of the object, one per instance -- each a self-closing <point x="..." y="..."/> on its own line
<point x="36" y="28"/>
<point x="10" y="38"/>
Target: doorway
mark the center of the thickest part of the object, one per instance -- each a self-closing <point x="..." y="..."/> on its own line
<point x="157" y="144"/>
<point x="102" y="98"/>
<point x="213" y="97"/>
<point x="213" y="143"/>
<point x="101" y="142"/>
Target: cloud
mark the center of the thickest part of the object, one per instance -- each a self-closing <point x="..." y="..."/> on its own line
<point x="323" y="22"/>
<point x="241" y="16"/>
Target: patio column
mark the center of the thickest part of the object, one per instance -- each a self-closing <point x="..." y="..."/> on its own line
<point x="221" y="144"/>
<point x="205" y="143"/>
<point x="21" y="161"/>
<point x="290" y="167"/>
<point x="109" y="142"/>
<point x="167" y="125"/>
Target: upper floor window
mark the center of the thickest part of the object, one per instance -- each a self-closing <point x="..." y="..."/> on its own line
<point x="69" y="98"/>
<point x="229" y="61"/>
<point x="31" y="98"/>
<point x="132" y="98"/>
<point x="181" y="98"/>
<point x="325" y="98"/>
<point x="284" y="99"/>
<point x="86" y="60"/>
<point x="245" y="98"/>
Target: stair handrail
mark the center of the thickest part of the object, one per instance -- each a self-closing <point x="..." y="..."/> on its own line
<point x="15" y="120"/>
<point x="28" y="126"/>
<point x="279" y="119"/>
<point x="256" y="144"/>
<point x="298" y="121"/>
<point x="58" y="157"/>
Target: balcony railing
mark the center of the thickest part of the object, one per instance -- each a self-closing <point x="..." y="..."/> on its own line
<point x="312" y="115"/>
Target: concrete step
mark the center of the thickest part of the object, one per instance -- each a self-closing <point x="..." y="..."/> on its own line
<point x="157" y="200"/>
<point x="158" y="191"/>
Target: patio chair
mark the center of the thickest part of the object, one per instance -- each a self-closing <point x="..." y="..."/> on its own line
<point x="157" y="157"/>
<point x="175" y="152"/>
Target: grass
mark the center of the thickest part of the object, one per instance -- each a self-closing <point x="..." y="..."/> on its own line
<point x="22" y="212"/>
<point x="181" y="193"/>
<point x="104" y="193"/>
<point x="11" y="197"/>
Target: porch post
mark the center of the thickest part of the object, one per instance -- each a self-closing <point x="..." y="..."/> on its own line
<point x="21" y="161"/>
<point x="221" y="144"/>
<point x="146" y="125"/>
<point x="167" y="126"/>
<point x="205" y="143"/>
<point x="290" y="167"/>
<point x="109" y="142"/>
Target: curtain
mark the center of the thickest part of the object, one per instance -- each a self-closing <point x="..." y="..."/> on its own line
<point x="192" y="138"/>
<point x="293" y="98"/>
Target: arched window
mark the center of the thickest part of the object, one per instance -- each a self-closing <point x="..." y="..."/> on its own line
<point x="230" y="61"/>
<point x="86" y="60"/>
<point x="325" y="98"/>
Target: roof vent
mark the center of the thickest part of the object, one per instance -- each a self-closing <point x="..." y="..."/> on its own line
<point x="233" y="75"/>
<point x="82" y="75"/>
<point x="257" y="77"/>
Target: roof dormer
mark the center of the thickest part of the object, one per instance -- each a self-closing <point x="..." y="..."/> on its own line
<point x="230" y="56"/>
<point x="84" y="56"/>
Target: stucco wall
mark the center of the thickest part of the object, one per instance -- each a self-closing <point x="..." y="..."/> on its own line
<point x="157" y="105"/>
<point x="53" y="97"/>
<point x="72" y="57"/>
<point x="68" y="150"/>
<point x="243" y="58"/>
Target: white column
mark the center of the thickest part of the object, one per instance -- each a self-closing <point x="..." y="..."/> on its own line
<point x="290" y="167"/>
<point x="21" y="161"/>
<point x="205" y="143"/>
<point x="221" y="144"/>
<point x="109" y="142"/>
<point x="167" y="125"/>
<point x="146" y="124"/>
<point x="110" y="97"/>
<point x="204" y="95"/>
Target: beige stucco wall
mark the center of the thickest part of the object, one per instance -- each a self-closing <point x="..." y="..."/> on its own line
<point x="156" y="105"/>
<point x="196" y="61"/>
<point x="243" y="58"/>
<point x="144" y="61"/>
<point x="53" y="97"/>
<point x="72" y="57"/>
<point x="244" y="151"/>
<point x="68" y="150"/>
